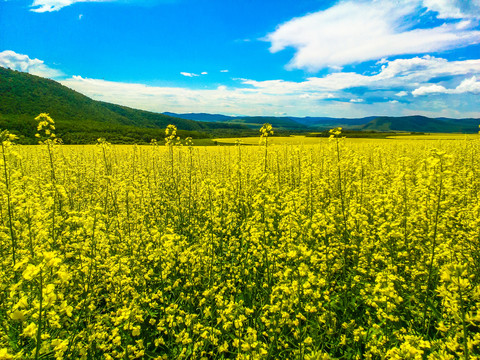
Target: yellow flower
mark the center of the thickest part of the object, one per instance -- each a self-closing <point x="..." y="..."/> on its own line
<point x="136" y="331"/>
<point x="30" y="330"/>
<point x="4" y="355"/>
<point x="30" y="272"/>
<point x="18" y="315"/>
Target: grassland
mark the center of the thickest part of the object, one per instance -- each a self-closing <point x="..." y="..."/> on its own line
<point x="301" y="248"/>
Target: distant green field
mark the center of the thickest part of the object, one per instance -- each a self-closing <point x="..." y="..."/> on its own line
<point x="439" y="136"/>
<point x="278" y="140"/>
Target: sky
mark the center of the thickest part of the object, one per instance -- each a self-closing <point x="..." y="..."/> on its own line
<point x="350" y="58"/>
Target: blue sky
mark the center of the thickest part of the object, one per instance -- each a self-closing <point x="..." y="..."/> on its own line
<point x="283" y="57"/>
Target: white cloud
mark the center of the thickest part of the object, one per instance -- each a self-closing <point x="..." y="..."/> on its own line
<point x="466" y="86"/>
<point x="41" y="6"/>
<point x="398" y="73"/>
<point x="454" y="9"/>
<point x="224" y="71"/>
<point x="430" y="89"/>
<point x="357" y="31"/>
<point x="80" y="17"/>
<point x="187" y="74"/>
<point x="20" y="62"/>
<point x="313" y="96"/>
<point x="255" y="101"/>
<point x="221" y="99"/>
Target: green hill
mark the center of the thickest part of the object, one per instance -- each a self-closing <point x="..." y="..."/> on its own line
<point x="80" y="119"/>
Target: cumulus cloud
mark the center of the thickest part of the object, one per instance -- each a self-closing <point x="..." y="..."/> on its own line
<point x="10" y="59"/>
<point x="41" y="6"/>
<point x="470" y="85"/>
<point x="430" y="89"/>
<point x="357" y="31"/>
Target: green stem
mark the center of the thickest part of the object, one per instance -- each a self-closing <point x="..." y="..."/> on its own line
<point x="39" y="329"/>
<point x="434" y="245"/>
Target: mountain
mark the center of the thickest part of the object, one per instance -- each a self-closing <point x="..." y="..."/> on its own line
<point x="322" y="122"/>
<point x="284" y="122"/>
<point x="254" y="122"/>
<point x="202" y="117"/>
<point x="414" y="123"/>
<point x="80" y="119"/>
<point x="421" y="124"/>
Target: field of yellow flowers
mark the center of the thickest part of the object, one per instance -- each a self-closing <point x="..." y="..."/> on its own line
<point x="339" y="250"/>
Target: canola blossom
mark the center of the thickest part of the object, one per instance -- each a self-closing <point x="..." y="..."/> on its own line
<point x="337" y="250"/>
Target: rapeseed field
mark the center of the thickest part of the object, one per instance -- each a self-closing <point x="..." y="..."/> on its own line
<point x="333" y="250"/>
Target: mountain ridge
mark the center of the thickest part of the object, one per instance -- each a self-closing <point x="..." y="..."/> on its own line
<point x="409" y="123"/>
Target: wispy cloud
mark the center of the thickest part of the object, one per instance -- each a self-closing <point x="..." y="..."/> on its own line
<point x="357" y="31"/>
<point x="41" y="6"/>
<point x="187" y="74"/>
<point x="454" y="9"/>
<point x="10" y="59"/>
